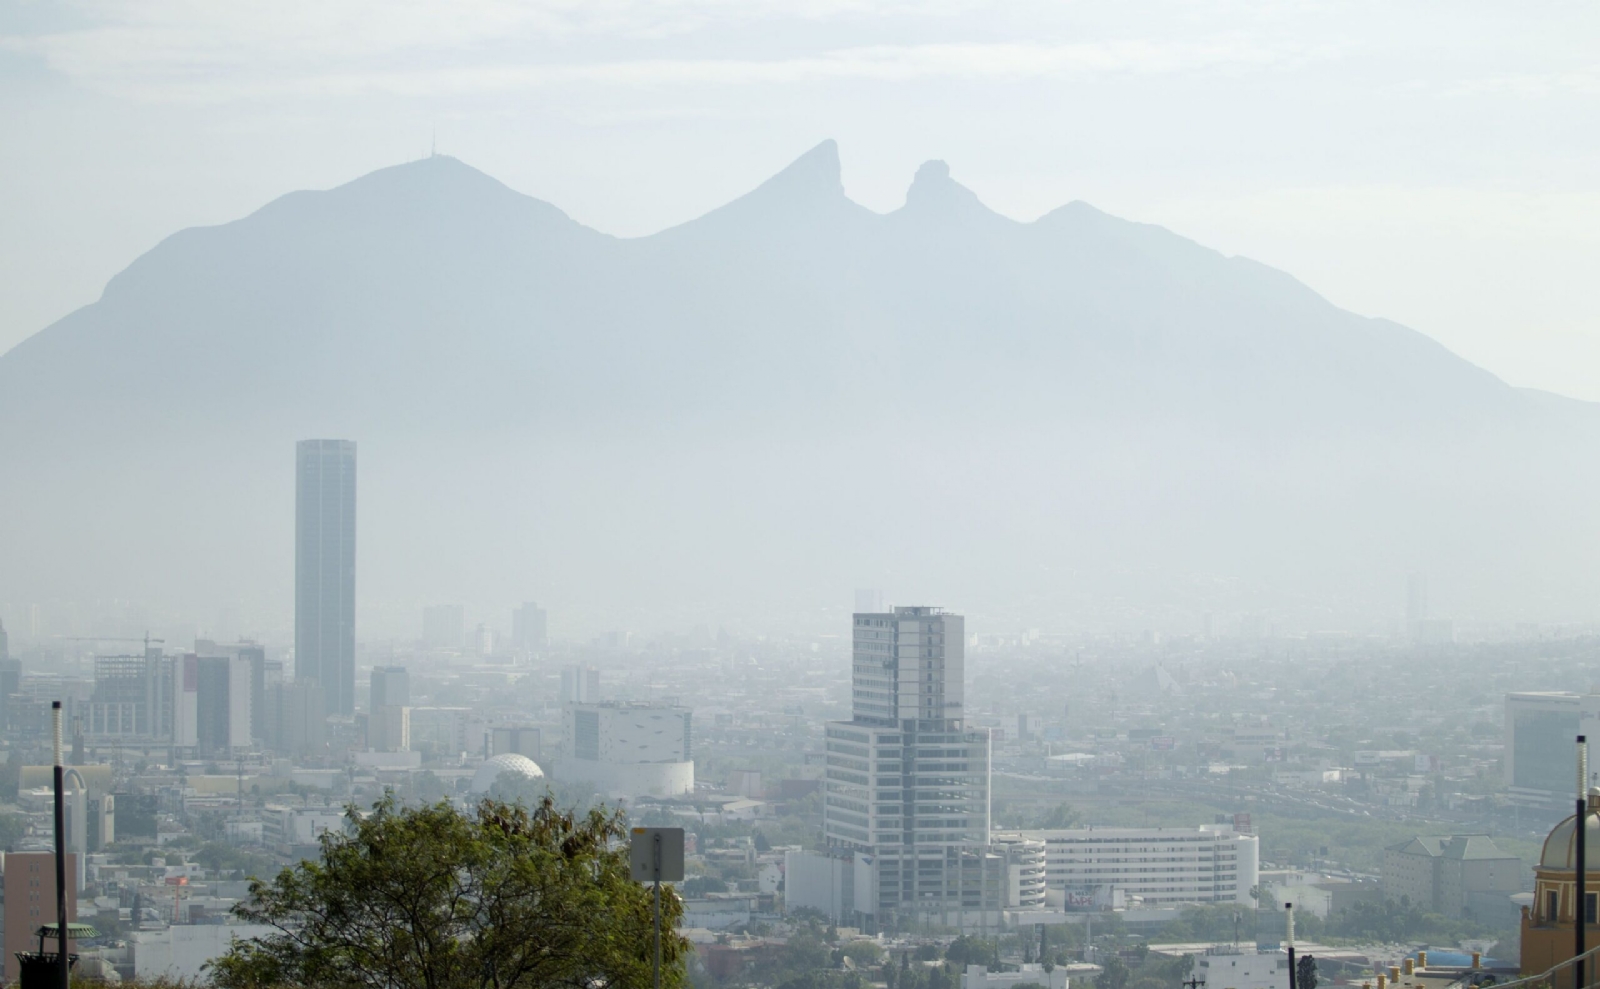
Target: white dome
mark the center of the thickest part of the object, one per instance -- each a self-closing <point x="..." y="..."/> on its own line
<point x="507" y="762"/>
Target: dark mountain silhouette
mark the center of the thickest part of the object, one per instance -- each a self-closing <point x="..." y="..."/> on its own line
<point x="781" y="399"/>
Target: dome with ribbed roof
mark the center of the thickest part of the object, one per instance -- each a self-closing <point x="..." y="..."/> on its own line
<point x="507" y="762"/>
<point x="1561" y="848"/>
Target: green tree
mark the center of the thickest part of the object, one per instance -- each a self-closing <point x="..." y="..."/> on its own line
<point x="863" y="952"/>
<point x="1113" y="975"/>
<point x="13" y="827"/>
<point x="429" y="898"/>
<point x="971" y="950"/>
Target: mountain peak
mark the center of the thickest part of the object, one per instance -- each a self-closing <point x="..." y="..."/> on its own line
<point x="808" y="187"/>
<point x="934" y="191"/>
<point x="815" y="174"/>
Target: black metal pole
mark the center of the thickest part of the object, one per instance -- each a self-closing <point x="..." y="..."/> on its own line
<point x="1288" y="908"/>
<point x="656" y="851"/>
<point x="1580" y="831"/>
<point x="62" y="960"/>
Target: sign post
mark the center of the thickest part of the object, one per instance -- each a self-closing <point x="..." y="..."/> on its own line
<point x="655" y="855"/>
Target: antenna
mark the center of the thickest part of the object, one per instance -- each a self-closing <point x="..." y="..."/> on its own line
<point x="433" y="144"/>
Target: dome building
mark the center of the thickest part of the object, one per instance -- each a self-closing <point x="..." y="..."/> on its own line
<point x="506" y="763"/>
<point x="1549" y="926"/>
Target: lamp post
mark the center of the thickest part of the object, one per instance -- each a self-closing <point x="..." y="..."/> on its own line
<point x="1580" y="908"/>
<point x="1288" y="913"/>
<point x="64" y="963"/>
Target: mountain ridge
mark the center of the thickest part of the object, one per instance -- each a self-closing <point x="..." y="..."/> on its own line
<point x="1069" y="372"/>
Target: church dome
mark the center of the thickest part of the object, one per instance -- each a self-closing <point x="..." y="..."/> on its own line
<point x="1561" y="848"/>
<point x="507" y="762"/>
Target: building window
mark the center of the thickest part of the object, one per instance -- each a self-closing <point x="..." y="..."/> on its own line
<point x="1589" y="908"/>
<point x="1551" y="900"/>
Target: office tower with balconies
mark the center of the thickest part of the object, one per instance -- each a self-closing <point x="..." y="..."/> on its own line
<point x="906" y="795"/>
<point x="325" y="570"/>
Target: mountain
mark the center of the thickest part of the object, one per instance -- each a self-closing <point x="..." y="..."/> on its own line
<point x="1073" y="422"/>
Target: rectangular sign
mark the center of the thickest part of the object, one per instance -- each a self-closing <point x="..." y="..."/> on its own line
<point x="656" y="855"/>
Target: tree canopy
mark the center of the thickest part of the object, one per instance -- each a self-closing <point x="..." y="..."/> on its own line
<point x="430" y="898"/>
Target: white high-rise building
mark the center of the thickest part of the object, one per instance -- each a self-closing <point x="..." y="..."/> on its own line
<point x="906" y="794"/>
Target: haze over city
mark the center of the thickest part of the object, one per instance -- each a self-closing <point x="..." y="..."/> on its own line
<point x="935" y="455"/>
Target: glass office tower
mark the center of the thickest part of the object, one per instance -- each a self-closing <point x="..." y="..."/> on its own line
<point x="325" y="570"/>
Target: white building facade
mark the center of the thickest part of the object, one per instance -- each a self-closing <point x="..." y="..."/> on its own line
<point x="1162" y="866"/>
<point x="629" y="749"/>
<point x="906" y="787"/>
<point x="1541" y="744"/>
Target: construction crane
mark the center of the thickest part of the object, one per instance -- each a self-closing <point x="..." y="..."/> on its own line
<point x="110" y="638"/>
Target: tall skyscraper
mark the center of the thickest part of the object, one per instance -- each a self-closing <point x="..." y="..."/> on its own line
<point x="325" y="570"/>
<point x="906" y="798"/>
<point x="5" y="645"/>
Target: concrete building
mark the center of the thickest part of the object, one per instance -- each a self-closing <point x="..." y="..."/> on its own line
<point x="1031" y="973"/>
<point x="444" y="626"/>
<point x="906" y="789"/>
<point x="30" y="894"/>
<point x="184" y="682"/>
<point x="516" y="739"/>
<point x="180" y="953"/>
<point x="389" y="711"/>
<point x="449" y="731"/>
<point x="1442" y="873"/>
<point x="1540" y="734"/>
<point x="263" y="673"/>
<point x="297" y="719"/>
<point x="1227" y="967"/>
<point x="529" y="628"/>
<point x="130" y="698"/>
<point x="389" y="729"/>
<point x="1163" y="866"/>
<point x="580" y="685"/>
<point x="629" y="749"/>
<point x="325" y="570"/>
<point x="390" y="687"/>
<point x="222" y="703"/>
<point x="1025" y="865"/>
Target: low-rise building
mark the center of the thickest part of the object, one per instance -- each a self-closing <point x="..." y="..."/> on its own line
<point x="1444" y="873"/>
<point x="1205" y="864"/>
<point x="979" y="977"/>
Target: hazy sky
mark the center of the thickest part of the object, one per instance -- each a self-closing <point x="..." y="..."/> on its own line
<point x="1431" y="162"/>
